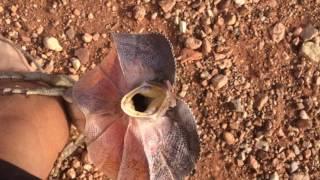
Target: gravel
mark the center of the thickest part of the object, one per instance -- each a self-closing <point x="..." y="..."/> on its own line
<point x="311" y="50"/>
<point x="278" y="32"/>
<point x="52" y="44"/>
<point x="87" y="38"/>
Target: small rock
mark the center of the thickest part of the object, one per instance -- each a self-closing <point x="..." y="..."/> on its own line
<point x="76" y="64"/>
<point x="52" y="44"/>
<point x="299" y="176"/>
<point x="311" y="50"/>
<point x="167" y="5"/>
<point x="229" y="138"/>
<point x="296" y="149"/>
<point x="307" y="154"/>
<point x="90" y="16"/>
<point x="189" y="55"/>
<point x="25" y="38"/>
<point x="236" y="105"/>
<point x="219" y="81"/>
<point x="76" y="12"/>
<point x="71" y="173"/>
<point x="70" y="32"/>
<point x="40" y="30"/>
<point x="294" y="166"/>
<point x="1" y="9"/>
<point x="297" y="31"/>
<point x="87" y="167"/>
<point x="309" y="33"/>
<point x="231" y="19"/>
<point x="274" y="176"/>
<point x="14" y="9"/>
<point x="154" y="15"/>
<point x="261" y="102"/>
<point x="83" y="54"/>
<point x="254" y="163"/>
<point x="303" y="124"/>
<point x="76" y="163"/>
<point x="96" y="36"/>
<point x="262" y="145"/>
<point x="193" y="43"/>
<point x="206" y="47"/>
<point x="278" y="32"/>
<point x="240" y="2"/>
<point x="139" y="13"/>
<point x="87" y="38"/>
<point x="49" y="67"/>
<point x="183" y="26"/>
<point x="303" y="115"/>
<point x="184" y="90"/>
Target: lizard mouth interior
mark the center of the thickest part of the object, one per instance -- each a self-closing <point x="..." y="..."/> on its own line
<point x="141" y="102"/>
<point x="146" y="100"/>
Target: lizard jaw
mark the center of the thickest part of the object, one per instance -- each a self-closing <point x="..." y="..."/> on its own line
<point x="145" y="101"/>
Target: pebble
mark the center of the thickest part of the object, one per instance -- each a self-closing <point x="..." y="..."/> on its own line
<point x="294" y="166"/>
<point x="76" y="163"/>
<point x="90" y="16"/>
<point x="303" y="124"/>
<point x="83" y="54"/>
<point x="240" y="2"/>
<point x="139" y="13"/>
<point x="299" y="176"/>
<point x="309" y="32"/>
<point x="278" y="32"/>
<point x="311" y="50"/>
<point x="96" y="36"/>
<point x="76" y="64"/>
<point x="71" y="173"/>
<point x="183" y="26"/>
<point x="254" y="163"/>
<point x="261" y="102"/>
<point x="303" y="115"/>
<point x="87" y="38"/>
<point x="189" y="55"/>
<point x="219" y="81"/>
<point x="296" y="149"/>
<point x="262" y="145"/>
<point x="184" y="90"/>
<point x="229" y="138"/>
<point x="52" y="44"/>
<point x="76" y="12"/>
<point x="70" y="32"/>
<point x="40" y="30"/>
<point x="87" y="167"/>
<point x="236" y="105"/>
<point x="206" y="47"/>
<point x="154" y="15"/>
<point x="167" y="5"/>
<point x="193" y="43"/>
<point x="49" y="67"/>
<point x="231" y="19"/>
<point x="274" y="176"/>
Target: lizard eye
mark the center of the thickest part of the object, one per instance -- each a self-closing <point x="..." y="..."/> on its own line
<point x="144" y="101"/>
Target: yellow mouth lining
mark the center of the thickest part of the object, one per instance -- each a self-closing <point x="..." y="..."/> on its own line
<point x="144" y="101"/>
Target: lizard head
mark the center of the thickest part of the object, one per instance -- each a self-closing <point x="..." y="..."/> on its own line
<point x="135" y="127"/>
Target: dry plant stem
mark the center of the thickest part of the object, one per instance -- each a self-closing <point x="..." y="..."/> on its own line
<point x="57" y="80"/>
<point x="35" y="91"/>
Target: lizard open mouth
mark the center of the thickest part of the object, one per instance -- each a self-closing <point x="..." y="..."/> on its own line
<point x="144" y="101"/>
